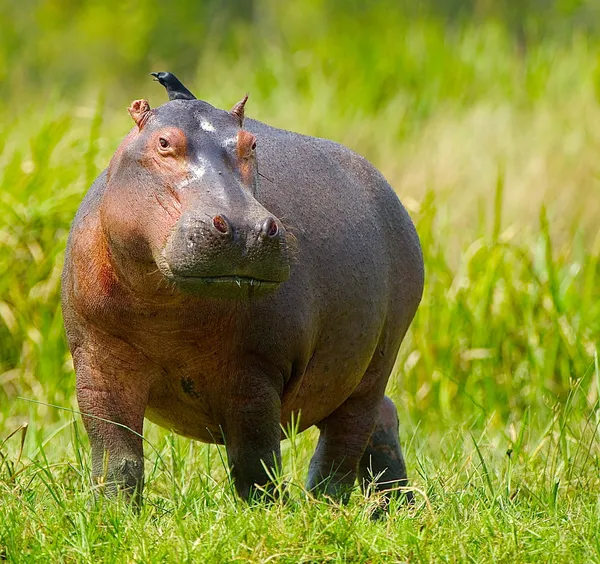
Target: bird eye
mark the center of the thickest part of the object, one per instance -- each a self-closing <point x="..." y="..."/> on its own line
<point x="163" y="142"/>
<point x="254" y="145"/>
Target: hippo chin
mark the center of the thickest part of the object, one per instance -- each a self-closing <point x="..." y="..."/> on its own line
<point x="223" y="303"/>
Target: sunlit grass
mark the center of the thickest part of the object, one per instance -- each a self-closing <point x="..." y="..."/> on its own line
<point x="482" y="493"/>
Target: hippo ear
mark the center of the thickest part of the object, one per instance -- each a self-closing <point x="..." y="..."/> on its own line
<point x="140" y="112"/>
<point x="238" y="110"/>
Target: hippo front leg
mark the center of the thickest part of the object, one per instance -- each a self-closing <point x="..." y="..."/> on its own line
<point x="112" y="403"/>
<point x="252" y="437"/>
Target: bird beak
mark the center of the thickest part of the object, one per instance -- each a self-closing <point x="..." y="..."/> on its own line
<point x="155" y="75"/>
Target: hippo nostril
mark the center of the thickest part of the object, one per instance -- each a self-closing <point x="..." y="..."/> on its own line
<point x="273" y="230"/>
<point x="221" y="224"/>
<point x="270" y="228"/>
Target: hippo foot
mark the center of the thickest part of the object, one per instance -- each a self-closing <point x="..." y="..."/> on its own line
<point x="338" y="492"/>
<point x="124" y="479"/>
<point x="267" y="494"/>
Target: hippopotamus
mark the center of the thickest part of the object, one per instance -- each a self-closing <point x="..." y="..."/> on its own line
<point x="223" y="278"/>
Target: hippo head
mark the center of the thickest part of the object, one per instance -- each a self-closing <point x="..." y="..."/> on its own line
<point x="180" y="196"/>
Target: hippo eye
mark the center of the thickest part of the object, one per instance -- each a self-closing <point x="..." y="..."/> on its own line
<point x="163" y="142"/>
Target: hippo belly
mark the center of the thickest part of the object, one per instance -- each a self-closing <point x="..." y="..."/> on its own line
<point x="184" y="399"/>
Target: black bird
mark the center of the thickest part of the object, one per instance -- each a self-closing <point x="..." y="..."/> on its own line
<point x="175" y="89"/>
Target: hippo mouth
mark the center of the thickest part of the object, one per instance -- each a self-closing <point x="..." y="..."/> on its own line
<point x="236" y="281"/>
<point x="233" y="269"/>
<point x="227" y="286"/>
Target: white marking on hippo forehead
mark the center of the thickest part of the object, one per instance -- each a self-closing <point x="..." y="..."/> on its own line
<point x="206" y="125"/>
<point x="230" y="141"/>
<point x="196" y="171"/>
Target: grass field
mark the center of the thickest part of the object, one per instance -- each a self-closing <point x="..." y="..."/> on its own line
<point x="494" y="151"/>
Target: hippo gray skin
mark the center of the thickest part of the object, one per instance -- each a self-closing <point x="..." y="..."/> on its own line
<point x="222" y="277"/>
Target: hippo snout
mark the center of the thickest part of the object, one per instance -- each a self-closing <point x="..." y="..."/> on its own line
<point x="268" y="229"/>
<point x="220" y="255"/>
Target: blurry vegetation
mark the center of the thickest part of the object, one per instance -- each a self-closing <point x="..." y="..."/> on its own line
<point x="69" y="47"/>
<point x="483" y="115"/>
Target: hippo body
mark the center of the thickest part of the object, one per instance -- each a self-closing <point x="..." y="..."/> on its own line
<point x="246" y="276"/>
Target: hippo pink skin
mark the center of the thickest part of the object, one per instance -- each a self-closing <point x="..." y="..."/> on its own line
<point x="220" y="280"/>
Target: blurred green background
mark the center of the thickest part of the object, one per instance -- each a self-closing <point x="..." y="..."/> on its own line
<point x="482" y="114"/>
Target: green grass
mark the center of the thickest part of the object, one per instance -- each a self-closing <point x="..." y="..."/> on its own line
<point x="482" y="495"/>
<point x="495" y="153"/>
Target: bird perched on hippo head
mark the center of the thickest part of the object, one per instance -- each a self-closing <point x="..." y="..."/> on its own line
<point x="175" y="89"/>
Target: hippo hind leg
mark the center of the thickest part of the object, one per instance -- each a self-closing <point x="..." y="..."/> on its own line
<point x="345" y="434"/>
<point x="342" y="441"/>
<point x="360" y="438"/>
<point x="382" y="467"/>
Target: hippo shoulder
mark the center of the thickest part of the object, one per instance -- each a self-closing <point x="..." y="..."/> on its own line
<point x="92" y="199"/>
<point x="86" y="216"/>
